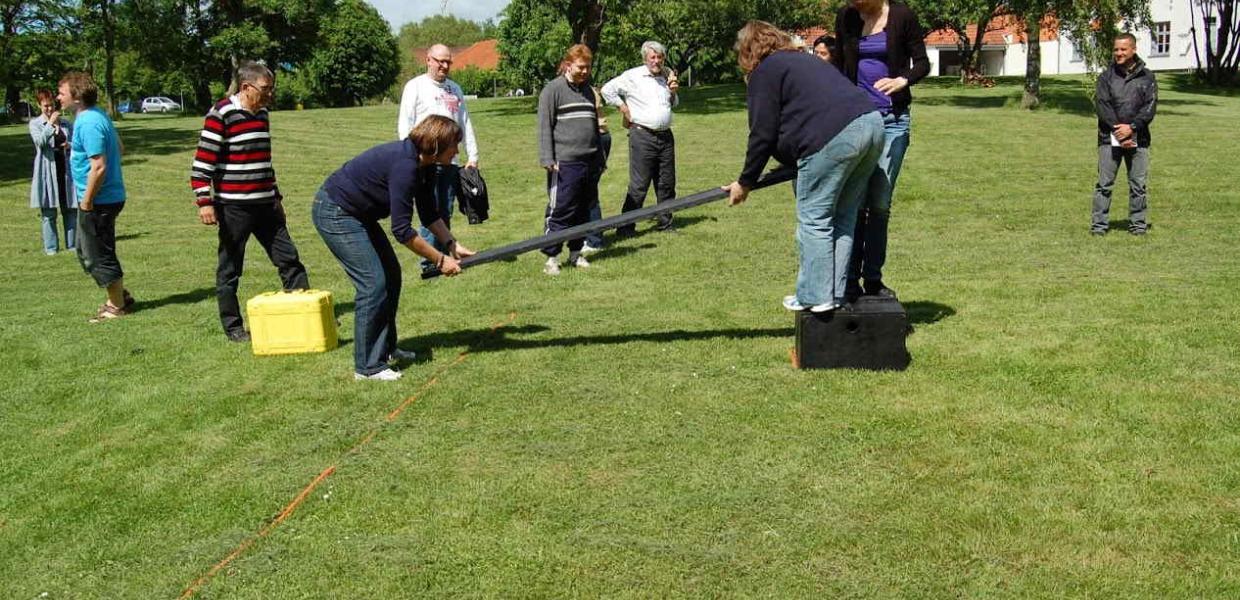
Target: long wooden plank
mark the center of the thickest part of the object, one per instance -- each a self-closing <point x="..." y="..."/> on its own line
<point x="712" y="195"/>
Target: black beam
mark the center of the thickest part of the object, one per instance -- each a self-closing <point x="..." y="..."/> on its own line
<point x="773" y="178"/>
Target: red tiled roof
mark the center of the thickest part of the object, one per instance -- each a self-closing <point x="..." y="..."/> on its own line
<point x="997" y="33"/>
<point x="484" y="55"/>
<point x="1001" y="31"/>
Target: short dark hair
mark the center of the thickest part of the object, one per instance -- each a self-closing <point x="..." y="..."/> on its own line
<point x="828" y="39"/>
<point x="82" y="87"/>
<point x="1127" y="36"/>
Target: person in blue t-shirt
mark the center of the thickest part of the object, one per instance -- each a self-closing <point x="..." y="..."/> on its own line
<point x="95" y="162"/>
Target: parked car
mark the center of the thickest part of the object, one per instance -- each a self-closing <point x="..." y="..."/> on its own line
<point x="127" y="106"/>
<point x="24" y="111"/>
<point x="160" y="104"/>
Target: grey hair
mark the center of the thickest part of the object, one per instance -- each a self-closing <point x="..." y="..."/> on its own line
<point x="653" y="46"/>
<point x="251" y="72"/>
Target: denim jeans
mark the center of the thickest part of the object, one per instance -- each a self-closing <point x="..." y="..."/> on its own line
<point x="1138" y="162"/>
<point x="830" y="185"/>
<point x="446" y="178"/>
<point x="870" y="247"/>
<point x="51" y="242"/>
<point x="96" y="243"/>
<point x="363" y="249"/>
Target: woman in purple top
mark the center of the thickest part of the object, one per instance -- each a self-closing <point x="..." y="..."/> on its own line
<point x="879" y="46"/>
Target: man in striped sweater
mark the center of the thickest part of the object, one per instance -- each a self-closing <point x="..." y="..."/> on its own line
<point x="235" y="189"/>
<point x="568" y="148"/>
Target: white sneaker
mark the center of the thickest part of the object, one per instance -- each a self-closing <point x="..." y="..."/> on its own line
<point x="384" y="375"/>
<point x="791" y="303"/>
<point x="399" y="355"/>
<point x="587" y="250"/>
<point x="552" y="267"/>
<point x="577" y="260"/>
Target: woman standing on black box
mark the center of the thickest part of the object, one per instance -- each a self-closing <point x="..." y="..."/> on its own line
<point x="393" y="179"/>
<point x="880" y="47"/>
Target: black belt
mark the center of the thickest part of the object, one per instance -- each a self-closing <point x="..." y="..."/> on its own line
<point x="654" y="131"/>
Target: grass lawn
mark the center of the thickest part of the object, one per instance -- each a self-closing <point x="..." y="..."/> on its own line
<point x="1069" y="425"/>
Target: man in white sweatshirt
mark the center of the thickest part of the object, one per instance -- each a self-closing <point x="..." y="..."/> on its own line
<point x="434" y="94"/>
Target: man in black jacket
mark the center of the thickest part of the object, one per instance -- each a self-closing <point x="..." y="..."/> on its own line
<point x="1127" y="98"/>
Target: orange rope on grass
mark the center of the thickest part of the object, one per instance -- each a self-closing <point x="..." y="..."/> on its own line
<point x="305" y="492"/>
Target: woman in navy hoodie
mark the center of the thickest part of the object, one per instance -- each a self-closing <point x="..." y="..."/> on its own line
<point x="804" y="112"/>
<point x="396" y="180"/>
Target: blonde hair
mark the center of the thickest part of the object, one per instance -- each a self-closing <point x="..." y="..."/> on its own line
<point x="758" y="40"/>
<point x="435" y="134"/>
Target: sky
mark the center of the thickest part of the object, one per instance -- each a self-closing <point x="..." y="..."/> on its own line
<point x="399" y="12"/>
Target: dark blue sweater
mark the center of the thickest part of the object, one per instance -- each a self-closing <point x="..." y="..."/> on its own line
<point x="386" y="181"/>
<point x="797" y="103"/>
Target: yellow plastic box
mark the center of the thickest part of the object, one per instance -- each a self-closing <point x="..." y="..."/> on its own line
<point x="294" y="322"/>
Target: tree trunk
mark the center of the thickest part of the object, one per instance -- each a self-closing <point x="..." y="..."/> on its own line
<point x="109" y="58"/>
<point x="1033" y="62"/>
<point x="586" y="18"/>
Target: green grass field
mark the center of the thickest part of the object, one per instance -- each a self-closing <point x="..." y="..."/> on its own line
<point x="1069" y="425"/>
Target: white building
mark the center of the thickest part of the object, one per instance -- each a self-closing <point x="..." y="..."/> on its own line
<point x="1167" y="44"/>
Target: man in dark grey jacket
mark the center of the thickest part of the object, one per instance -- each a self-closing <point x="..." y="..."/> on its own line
<point x="1127" y="98"/>
<point x="568" y="148"/>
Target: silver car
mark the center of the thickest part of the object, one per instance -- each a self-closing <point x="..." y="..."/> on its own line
<point x="160" y="104"/>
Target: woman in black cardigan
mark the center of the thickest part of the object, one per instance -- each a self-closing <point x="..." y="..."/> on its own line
<point x="879" y="45"/>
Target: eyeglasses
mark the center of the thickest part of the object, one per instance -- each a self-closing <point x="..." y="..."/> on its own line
<point x="265" y="89"/>
<point x="447" y="62"/>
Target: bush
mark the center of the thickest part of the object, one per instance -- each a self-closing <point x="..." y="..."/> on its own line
<point x="477" y="81"/>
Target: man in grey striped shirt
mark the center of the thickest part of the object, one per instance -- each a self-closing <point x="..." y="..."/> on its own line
<point x="568" y="148"/>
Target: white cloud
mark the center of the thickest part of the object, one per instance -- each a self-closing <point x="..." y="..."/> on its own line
<point x="399" y="12"/>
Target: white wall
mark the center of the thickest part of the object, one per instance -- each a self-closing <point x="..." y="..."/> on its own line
<point x="1057" y="56"/>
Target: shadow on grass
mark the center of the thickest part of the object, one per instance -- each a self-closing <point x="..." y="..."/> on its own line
<point x="499" y="340"/>
<point x="921" y="312"/>
<point x="1065" y="96"/>
<point x="17" y="150"/>
<point x="193" y="297"/>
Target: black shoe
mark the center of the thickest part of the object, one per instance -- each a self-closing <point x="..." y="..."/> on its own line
<point x="663" y="223"/>
<point x="238" y="335"/>
<point x="876" y="288"/>
<point x="852" y="291"/>
<point x="1136" y="231"/>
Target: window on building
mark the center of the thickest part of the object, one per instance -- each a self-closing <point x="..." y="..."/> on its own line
<point x="1076" y="53"/>
<point x="1160" y="42"/>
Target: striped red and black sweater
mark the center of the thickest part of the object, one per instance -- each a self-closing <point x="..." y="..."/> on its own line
<point x="234" y="157"/>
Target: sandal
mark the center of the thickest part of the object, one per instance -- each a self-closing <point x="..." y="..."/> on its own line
<point x="107" y="312"/>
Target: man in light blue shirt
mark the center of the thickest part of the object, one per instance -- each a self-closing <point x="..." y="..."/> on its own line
<point x="95" y="162"/>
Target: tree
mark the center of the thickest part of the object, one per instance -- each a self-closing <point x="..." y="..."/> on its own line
<point x="956" y="16"/>
<point x="34" y="46"/>
<point x="357" y="56"/>
<point x="1221" y="21"/>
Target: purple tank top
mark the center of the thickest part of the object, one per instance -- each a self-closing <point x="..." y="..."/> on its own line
<point x="872" y="66"/>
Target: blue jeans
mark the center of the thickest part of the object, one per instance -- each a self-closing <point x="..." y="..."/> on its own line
<point x="446" y="178"/>
<point x="870" y="250"/>
<point x="363" y="249"/>
<point x="829" y="188"/>
<point x="51" y="242"/>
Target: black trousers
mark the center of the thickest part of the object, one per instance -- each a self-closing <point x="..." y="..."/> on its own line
<point x="652" y="158"/>
<point x="236" y="224"/>
<point x="96" y="243"/>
